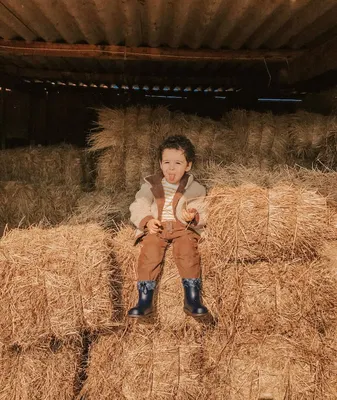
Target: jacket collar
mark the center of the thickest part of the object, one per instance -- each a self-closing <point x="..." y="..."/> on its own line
<point x="158" y="190"/>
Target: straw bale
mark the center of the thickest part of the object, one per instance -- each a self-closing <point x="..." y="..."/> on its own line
<point x="324" y="182"/>
<point x="107" y="140"/>
<point x="39" y="373"/>
<point x="250" y="222"/>
<point x="236" y="119"/>
<point x="101" y="207"/>
<point x="258" y="141"/>
<point x="222" y="290"/>
<point x="274" y="143"/>
<point x="24" y="204"/>
<point x="190" y="126"/>
<point x="109" y="131"/>
<point x="266" y="367"/>
<point x="132" y="153"/>
<point x="104" y="373"/>
<point x="54" y="282"/>
<point x="128" y="154"/>
<point x="234" y="175"/>
<point x="144" y="140"/>
<point x="308" y="132"/>
<point x="211" y="139"/>
<point x="52" y="165"/>
<point x="287" y="298"/>
<point x="177" y="367"/>
<point x="111" y="169"/>
<point x="327" y="155"/>
<point x="253" y="139"/>
<point x="160" y="125"/>
<point x="206" y="137"/>
<point x="145" y="363"/>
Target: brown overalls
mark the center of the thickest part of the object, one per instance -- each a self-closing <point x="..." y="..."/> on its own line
<point x="185" y="251"/>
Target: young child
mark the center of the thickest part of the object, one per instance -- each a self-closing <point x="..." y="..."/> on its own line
<point x="168" y="208"/>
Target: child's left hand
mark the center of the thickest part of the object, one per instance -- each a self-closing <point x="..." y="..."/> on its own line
<point x="188" y="215"/>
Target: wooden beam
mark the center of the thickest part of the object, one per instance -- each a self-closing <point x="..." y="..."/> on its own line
<point x="313" y="62"/>
<point x="14" y="73"/>
<point x="12" y="47"/>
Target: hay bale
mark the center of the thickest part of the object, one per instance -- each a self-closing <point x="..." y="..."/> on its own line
<point x="101" y="207"/>
<point x="147" y="151"/>
<point x="24" y="204"/>
<point x="266" y="367"/>
<point x="127" y="145"/>
<point x="222" y="290"/>
<point x="107" y="141"/>
<point x="259" y="143"/>
<point x="109" y="131"/>
<point x="321" y="181"/>
<point x="235" y="175"/>
<point x="211" y="139"/>
<point x="104" y="374"/>
<point x="308" y="132"/>
<point x="54" y="282"/>
<point x="327" y="154"/>
<point x="52" y="165"/>
<point x="110" y="169"/>
<point x="279" y="298"/>
<point x="132" y="152"/>
<point x="144" y="363"/>
<point x="251" y="223"/>
<point x="39" y="373"/>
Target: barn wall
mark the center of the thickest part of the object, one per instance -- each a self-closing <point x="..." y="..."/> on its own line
<point x="66" y="115"/>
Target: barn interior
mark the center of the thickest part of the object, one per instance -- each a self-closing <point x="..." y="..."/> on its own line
<point x="88" y="89"/>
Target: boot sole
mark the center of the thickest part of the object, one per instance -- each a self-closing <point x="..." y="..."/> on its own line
<point x="195" y="315"/>
<point x="140" y="316"/>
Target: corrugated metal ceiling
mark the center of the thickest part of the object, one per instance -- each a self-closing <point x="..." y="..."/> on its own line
<point x="193" y="24"/>
<point x="213" y="24"/>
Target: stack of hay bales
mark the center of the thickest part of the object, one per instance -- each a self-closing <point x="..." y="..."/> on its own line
<point x="274" y="295"/>
<point x="268" y="140"/>
<point x="272" y="299"/>
<point x="262" y="143"/>
<point x="39" y="185"/>
<point x="55" y="287"/>
<point x="161" y="357"/>
<point x="269" y="282"/>
<point x="126" y="143"/>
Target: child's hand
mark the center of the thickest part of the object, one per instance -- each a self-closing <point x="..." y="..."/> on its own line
<point x="188" y="215"/>
<point x="153" y="225"/>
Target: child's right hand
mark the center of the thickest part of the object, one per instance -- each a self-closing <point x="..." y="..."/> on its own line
<point x="153" y="225"/>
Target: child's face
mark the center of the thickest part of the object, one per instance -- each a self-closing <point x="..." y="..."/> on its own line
<point x="174" y="165"/>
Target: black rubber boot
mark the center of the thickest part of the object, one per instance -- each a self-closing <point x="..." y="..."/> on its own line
<point x="144" y="306"/>
<point x="192" y="303"/>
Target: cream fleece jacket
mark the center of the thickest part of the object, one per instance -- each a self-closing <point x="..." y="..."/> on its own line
<point x="149" y="202"/>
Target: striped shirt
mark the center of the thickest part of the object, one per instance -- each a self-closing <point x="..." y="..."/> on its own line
<point x="169" y="191"/>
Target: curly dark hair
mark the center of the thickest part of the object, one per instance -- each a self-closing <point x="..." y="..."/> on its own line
<point x="178" y="142"/>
